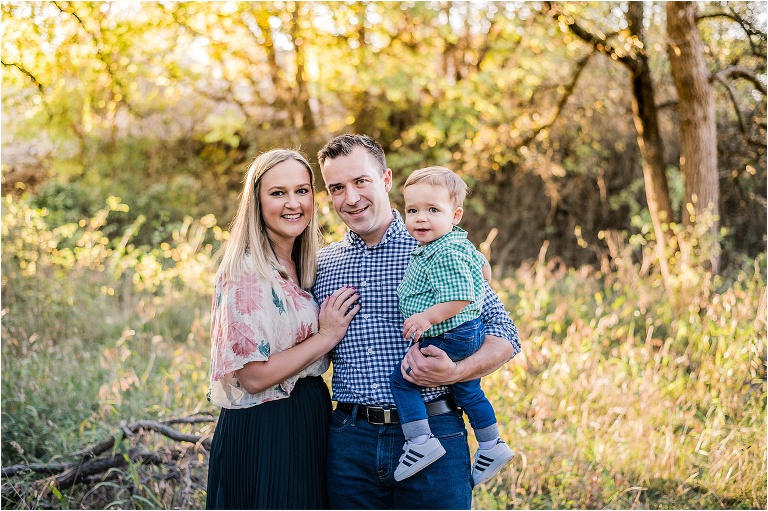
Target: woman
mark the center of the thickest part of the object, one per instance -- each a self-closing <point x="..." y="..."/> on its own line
<point x="269" y="342"/>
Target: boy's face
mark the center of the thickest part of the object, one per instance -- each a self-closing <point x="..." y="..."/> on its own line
<point x="429" y="212"/>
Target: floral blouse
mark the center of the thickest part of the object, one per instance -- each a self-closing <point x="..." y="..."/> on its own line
<point x="252" y="318"/>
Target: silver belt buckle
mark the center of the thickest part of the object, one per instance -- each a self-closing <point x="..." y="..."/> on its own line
<point x="376" y="408"/>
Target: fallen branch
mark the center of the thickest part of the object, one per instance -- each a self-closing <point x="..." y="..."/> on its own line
<point x="40" y="468"/>
<point x="172" y="433"/>
<point x="91" y="466"/>
<point x="79" y="471"/>
<point x="159" y="427"/>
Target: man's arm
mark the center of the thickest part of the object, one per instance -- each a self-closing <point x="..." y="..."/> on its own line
<point x="431" y="367"/>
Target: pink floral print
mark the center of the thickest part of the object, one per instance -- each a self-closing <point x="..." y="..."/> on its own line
<point x="295" y="293"/>
<point x="248" y="295"/>
<point x="304" y="331"/>
<point x="252" y="318"/>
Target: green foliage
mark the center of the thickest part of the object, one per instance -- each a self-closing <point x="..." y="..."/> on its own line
<point x="163" y="104"/>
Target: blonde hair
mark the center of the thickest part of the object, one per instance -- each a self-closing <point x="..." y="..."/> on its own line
<point x="248" y="246"/>
<point x="440" y="176"/>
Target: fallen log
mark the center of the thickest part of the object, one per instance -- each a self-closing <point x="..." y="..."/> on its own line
<point x="101" y="458"/>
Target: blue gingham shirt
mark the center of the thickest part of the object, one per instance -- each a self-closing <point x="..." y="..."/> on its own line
<point x="374" y="345"/>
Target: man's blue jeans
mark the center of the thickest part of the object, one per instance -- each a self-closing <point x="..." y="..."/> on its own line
<point x="362" y="458"/>
<point x="458" y="344"/>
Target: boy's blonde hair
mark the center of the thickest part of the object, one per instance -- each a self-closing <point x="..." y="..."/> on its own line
<point x="248" y="234"/>
<point x="440" y="176"/>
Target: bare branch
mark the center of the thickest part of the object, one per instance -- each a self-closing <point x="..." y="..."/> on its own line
<point x="26" y="73"/>
<point x="197" y="419"/>
<point x="40" y="468"/>
<point x="720" y="77"/>
<point x="38" y="84"/>
<point x="745" y="25"/>
<point x="160" y="427"/>
<point x="580" y="66"/>
<point x="739" y="72"/>
<point x="171" y="433"/>
<point x="599" y="43"/>
<point x="719" y="14"/>
<point x="92" y="468"/>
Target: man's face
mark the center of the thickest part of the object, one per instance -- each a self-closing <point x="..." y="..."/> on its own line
<point x="359" y="193"/>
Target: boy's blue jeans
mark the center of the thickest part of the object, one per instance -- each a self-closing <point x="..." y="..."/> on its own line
<point x="458" y="344"/>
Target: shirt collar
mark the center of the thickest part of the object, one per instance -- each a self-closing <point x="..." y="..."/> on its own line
<point x="457" y="233"/>
<point x="395" y="230"/>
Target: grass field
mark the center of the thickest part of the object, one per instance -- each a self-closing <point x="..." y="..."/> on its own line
<point x="626" y="396"/>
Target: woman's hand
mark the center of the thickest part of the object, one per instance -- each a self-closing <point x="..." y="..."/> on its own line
<point x="335" y="314"/>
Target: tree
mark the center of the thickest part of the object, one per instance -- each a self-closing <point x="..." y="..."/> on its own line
<point x="696" y="108"/>
<point x="164" y="102"/>
<point x="649" y="139"/>
<point x="698" y="135"/>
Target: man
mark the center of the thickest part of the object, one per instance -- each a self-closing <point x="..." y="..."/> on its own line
<point x="366" y="440"/>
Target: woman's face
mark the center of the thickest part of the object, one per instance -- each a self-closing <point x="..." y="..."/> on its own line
<point x="287" y="200"/>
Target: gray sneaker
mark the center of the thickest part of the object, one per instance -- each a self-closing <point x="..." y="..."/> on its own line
<point x="416" y="457"/>
<point x="489" y="461"/>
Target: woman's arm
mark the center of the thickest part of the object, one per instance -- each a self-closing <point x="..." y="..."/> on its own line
<point x="335" y="316"/>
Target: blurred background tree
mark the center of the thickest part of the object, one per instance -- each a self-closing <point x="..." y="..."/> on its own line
<point x="165" y="104"/>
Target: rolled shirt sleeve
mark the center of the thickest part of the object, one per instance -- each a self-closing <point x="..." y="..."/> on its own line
<point x="496" y="319"/>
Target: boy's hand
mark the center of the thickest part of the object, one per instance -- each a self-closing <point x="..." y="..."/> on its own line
<point x="415" y="326"/>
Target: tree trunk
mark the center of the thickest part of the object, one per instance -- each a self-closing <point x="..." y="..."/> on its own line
<point x="305" y="119"/>
<point x="649" y="140"/>
<point x="698" y="133"/>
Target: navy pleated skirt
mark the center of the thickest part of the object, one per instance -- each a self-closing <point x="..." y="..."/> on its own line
<point x="273" y="455"/>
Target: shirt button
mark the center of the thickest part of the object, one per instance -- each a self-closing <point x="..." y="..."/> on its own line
<point x="365" y="316"/>
<point x="375" y="386"/>
<point x="364" y="283"/>
<point x="370" y="351"/>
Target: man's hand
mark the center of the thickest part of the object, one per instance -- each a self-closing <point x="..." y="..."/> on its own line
<point x="430" y="367"/>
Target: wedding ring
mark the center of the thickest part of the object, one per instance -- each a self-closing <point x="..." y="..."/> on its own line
<point x="408" y="370"/>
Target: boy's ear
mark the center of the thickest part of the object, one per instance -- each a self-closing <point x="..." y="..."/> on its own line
<point x="457" y="214"/>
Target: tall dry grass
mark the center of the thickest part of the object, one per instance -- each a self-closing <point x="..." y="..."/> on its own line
<point x="630" y="396"/>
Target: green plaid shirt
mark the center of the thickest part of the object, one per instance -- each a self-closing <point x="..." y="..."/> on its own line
<point x="445" y="270"/>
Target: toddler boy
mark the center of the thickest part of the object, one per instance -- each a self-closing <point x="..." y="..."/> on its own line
<point x="441" y="297"/>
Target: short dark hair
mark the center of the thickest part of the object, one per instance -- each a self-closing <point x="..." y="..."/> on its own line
<point x="344" y="144"/>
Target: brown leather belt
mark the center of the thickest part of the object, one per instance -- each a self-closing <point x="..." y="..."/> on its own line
<point x="380" y="415"/>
